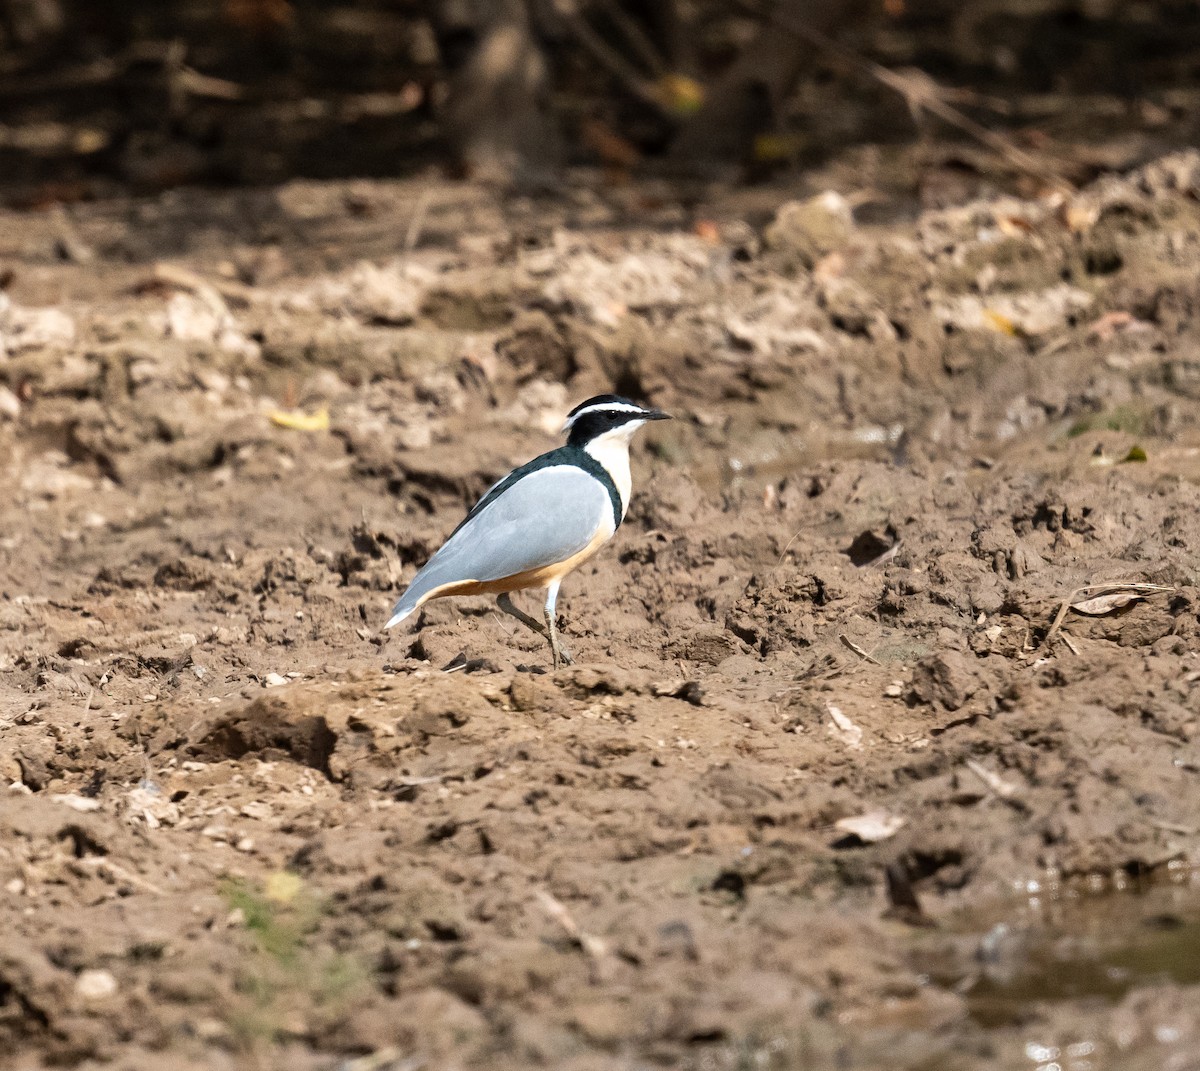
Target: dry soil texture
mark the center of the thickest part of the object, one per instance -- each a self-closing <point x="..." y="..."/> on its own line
<point x="836" y="767"/>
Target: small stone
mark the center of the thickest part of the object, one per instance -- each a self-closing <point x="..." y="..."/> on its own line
<point x="95" y="985"/>
<point x="944" y="678"/>
<point x="274" y="680"/>
<point x="76" y="802"/>
<point x="246" y="844"/>
<point x="29" y="329"/>
<point x="812" y="229"/>
<point x="10" y="405"/>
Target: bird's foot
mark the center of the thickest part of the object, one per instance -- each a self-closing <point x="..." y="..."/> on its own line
<point x="562" y="657"/>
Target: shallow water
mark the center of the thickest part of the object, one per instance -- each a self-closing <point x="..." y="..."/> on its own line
<point x="1070" y="942"/>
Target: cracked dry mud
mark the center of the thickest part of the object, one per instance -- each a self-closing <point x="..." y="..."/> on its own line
<point x="245" y="826"/>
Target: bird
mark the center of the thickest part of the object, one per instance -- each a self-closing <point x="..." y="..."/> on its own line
<point x="544" y="519"/>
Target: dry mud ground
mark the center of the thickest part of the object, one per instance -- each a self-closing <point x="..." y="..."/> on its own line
<point x="242" y="828"/>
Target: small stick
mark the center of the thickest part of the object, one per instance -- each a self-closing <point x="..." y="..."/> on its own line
<point x="918" y="93"/>
<point x="609" y="57"/>
<point x="183" y="279"/>
<point x="415" y="225"/>
<point x="115" y="870"/>
<point x="886" y="556"/>
<point x="594" y="946"/>
<point x="994" y="782"/>
<point x="634" y="34"/>
<point x="1094" y="591"/>
<point x="858" y="650"/>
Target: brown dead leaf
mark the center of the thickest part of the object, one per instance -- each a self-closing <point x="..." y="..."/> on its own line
<point x="613" y="150"/>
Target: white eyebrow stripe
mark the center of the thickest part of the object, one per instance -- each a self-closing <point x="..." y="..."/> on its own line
<point x="603" y="407"/>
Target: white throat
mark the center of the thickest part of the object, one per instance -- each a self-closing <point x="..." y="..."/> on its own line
<point x="611" y="450"/>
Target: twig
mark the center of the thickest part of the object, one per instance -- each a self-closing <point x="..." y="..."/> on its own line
<point x="413" y="234"/>
<point x="594" y="946"/>
<point x="858" y="650"/>
<point x="183" y="80"/>
<point x="204" y="287"/>
<point x="919" y="94"/>
<point x="192" y="83"/>
<point x="1094" y="591"/>
<point x="115" y="870"/>
<point x="607" y="56"/>
<point x="886" y="556"/>
<point x="636" y="37"/>
<point x="1172" y="827"/>
<point x="994" y="782"/>
<point x="783" y="553"/>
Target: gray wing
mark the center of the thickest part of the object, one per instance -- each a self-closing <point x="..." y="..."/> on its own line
<point x="543" y="518"/>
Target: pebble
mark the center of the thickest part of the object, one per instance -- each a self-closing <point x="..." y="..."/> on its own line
<point x="274" y="680"/>
<point x="95" y="985"/>
<point x="10" y="405"/>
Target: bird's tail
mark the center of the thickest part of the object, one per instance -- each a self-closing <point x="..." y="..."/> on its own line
<point x="400" y="611"/>
<point x="428" y="581"/>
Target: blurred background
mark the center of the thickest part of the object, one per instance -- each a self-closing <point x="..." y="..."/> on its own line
<point x="156" y="93"/>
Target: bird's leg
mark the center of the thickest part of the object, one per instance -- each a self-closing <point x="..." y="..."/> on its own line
<point x="509" y="607"/>
<point x="561" y="655"/>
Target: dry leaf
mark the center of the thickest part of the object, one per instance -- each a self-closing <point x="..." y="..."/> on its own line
<point x="297" y="421"/>
<point x="999" y="322"/>
<point x="870" y="827"/>
<point x="851" y="734"/>
<point x="1013" y="226"/>
<point x="681" y="94"/>
<point x="283" y="886"/>
<point x="1099" y="601"/>
<point x="1106" y="604"/>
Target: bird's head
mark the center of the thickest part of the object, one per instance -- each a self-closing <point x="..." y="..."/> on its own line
<point x="609" y="417"/>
